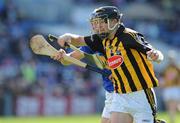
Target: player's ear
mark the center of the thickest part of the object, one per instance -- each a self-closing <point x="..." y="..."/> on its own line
<point x="113" y="22"/>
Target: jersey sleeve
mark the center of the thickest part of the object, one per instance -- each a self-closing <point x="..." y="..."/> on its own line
<point x="137" y="41"/>
<point x="95" y="43"/>
<point x="86" y="49"/>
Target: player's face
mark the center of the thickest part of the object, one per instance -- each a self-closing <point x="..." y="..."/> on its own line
<point x="99" y="26"/>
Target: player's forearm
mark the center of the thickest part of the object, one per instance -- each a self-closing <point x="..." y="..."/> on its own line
<point x="77" y="40"/>
<point x="75" y="54"/>
<point x="73" y="39"/>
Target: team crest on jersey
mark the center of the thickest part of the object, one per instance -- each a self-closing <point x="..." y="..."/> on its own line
<point x="115" y="61"/>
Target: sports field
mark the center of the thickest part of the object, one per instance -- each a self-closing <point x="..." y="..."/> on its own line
<point x="66" y="119"/>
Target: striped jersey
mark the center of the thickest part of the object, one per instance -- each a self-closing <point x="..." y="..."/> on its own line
<point x="126" y="57"/>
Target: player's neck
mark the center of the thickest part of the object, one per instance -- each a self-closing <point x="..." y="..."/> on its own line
<point x="112" y="34"/>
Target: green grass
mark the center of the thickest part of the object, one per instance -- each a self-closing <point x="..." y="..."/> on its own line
<point x="66" y="119"/>
<point x="166" y="117"/>
<point x="60" y="119"/>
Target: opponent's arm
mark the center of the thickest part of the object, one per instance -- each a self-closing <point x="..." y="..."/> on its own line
<point x="73" y="39"/>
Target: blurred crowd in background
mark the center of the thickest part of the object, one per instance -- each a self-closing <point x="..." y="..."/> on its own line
<point x="24" y="74"/>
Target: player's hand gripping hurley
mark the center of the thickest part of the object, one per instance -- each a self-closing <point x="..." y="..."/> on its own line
<point x="91" y="57"/>
<point x="40" y="46"/>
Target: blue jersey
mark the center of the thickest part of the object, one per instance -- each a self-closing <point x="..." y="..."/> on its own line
<point x="107" y="83"/>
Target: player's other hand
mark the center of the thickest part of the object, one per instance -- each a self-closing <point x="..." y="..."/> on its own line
<point x="59" y="55"/>
<point x="152" y="55"/>
<point x="64" y="38"/>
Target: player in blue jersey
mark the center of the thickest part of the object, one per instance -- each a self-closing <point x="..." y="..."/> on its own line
<point x="108" y="86"/>
<point x="107" y="83"/>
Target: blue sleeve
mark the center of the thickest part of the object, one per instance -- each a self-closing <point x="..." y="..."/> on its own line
<point x="86" y="49"/>
<point x="108" y="72"/>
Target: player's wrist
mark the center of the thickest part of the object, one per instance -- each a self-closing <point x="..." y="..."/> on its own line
<point x="66" y="38"/>
<point x="160" y="56"/>
<point x="64" y="62"/>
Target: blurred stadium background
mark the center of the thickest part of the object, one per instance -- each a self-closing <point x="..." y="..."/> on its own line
<point x="33" y="85"/>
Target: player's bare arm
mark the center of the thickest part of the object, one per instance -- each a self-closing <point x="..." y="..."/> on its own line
<point x="73" y="39"/>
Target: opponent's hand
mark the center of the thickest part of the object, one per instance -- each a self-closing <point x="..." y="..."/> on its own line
<point x="152" y="55"/>
<point x="110" y="77"/>
<point x="59" y="55"/>
<point x="64" y="38"/>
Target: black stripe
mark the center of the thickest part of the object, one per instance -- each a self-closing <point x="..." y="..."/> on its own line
<point x="120" y="39"/>
<point x="117" y="43"/>
<point x="153" y="99"/>
<point x="110" y="42"/>
<point x="129" y="77"/>
<point x="116" y="85"/>
<point x="136" y="68"/>
<point x="120" y="80"/>
<point x="105" y="43"/>
<point x="105" y="55"/>
<point x="151" y="105"/>
<point x="117" y="46"/>
<point x="148" y="71"/>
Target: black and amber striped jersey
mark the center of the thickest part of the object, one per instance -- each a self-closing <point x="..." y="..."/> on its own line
<point x="126" y="57"/>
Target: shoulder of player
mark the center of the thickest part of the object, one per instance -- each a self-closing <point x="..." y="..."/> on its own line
<point x="127" y="35"/>
<point x="128" y="30"/>
<point x="131" y="35"/>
